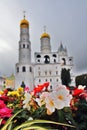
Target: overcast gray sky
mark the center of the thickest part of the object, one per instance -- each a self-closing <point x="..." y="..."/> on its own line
<point x="66" y="21"/>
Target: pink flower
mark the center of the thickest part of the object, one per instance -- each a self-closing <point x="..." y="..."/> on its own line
<point x="5" y="112"/>
<point x="2" y="104"/>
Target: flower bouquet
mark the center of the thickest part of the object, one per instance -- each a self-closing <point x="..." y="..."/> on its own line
<point x="23" y="109"/>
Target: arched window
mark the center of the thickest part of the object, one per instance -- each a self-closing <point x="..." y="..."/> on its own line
<point x="17" y="69"/>
<point x="39" y="80"/>
<point x="23" y="69"/>
<point x="57" y="80"/>
<point x="23" y="45"/>
<point x="50" y="80"/>
<point x="56" y="72"/>
<point x="30" y="69"/>
<point x="38" y="56"/>
<point x="46" y="80"/>
<point x="54" y="60"/>
<point x="51" y="87"/>
<point x="64" y="61"/>
<point x="46" y="59"/>
<point x="54" y="55"/>
<point x="27" y="46"/>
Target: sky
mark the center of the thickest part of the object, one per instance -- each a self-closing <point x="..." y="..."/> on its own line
<point x="65" y="21"/>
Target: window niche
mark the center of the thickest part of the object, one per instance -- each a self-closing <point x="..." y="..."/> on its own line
<point x="54" y="60"/>
<point x="64" y="61"/>
<point x="46" y="59"/>
<point x="51" y="87"/>
<point x="30" y="69"/>
<point x="38" y="56"/>
<point x="23" y="69"/>
<point x="27" y="46"/>
<point x="56" y="72"/>
<point x="39" y="80"/>
<point x="54" y="55"/>
<point x="23" y="45"/>
<point x="17" y="69"/>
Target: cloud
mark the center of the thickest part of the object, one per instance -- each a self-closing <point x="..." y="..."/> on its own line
<point x="4" y="47"/>
<point x="66" y="21"/>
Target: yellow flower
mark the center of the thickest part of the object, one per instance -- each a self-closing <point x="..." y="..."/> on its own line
<point x="1" y="92"/>
<point x="14" y="93"/>
<point x="20" y="90"/>
<point x="10" y="105"/>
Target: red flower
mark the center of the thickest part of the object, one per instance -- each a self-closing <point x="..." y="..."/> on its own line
<point x="84" y="94"/>
<point x="4" y="97"/>
<point x="40" y="87"/>
<point x="5" y="91"/>
<point x="77" y="92"/>
<point x="2" y="104"/>
<point x="46" y="84"/>
<point x="3" y="122"/>
<point x="5" y="112"/>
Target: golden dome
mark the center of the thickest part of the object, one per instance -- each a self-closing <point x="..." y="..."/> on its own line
<point x="24" y="23"/>
<point x="45" y="35"/>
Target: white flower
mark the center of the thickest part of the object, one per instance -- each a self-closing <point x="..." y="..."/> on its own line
<point x="61" y="97"/>
<point x="46" y="98"/>
<point x="81" y="87"/>
<point x="26" y="101"/>
<point x="38" y="100"/>
<point x="44" y="95"/>
<point x="41" y="100"/>
<point x="50" y="103"/>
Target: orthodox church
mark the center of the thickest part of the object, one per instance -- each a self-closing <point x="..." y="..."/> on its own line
<point x="47" y="65"/>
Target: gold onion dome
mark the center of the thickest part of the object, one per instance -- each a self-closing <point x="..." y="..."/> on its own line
<point x="45" y="35"/>
<point x="24" y="23"/>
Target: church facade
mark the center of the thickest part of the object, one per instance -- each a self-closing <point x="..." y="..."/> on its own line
<point x="47" y="65"/>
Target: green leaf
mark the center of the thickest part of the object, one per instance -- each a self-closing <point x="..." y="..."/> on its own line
<point x="10" y="126"/>
<point x="35" y="128"/>
<point x="10" y="121"/>
<point x="0" y="121"/>
<point x="29" y="123"/>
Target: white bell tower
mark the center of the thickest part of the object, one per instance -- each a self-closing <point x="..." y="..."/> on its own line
<point x="45" y="42"/>
<point x="24" y="43"/>
<point x="24" y="68"/>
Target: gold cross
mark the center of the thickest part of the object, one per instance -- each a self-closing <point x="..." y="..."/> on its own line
<point x="24" y="13"/>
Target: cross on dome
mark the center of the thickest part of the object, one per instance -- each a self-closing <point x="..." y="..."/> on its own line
<point x="24" y="12"/>
<point x="45" y="35"/>
<point x="24" y="23"/>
